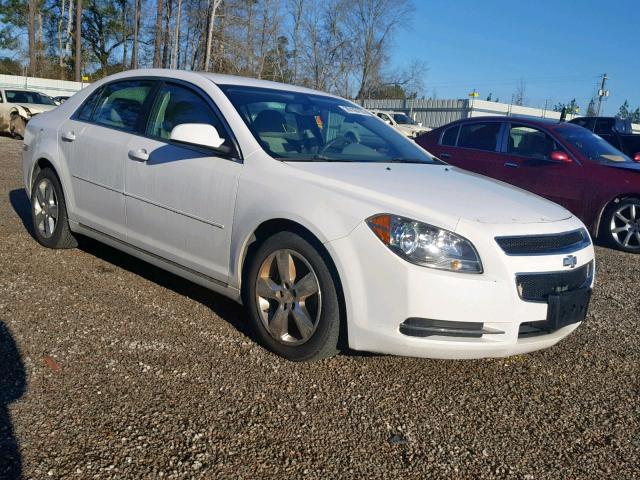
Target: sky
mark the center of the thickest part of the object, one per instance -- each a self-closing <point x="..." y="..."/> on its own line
<point x="560" y="49"/>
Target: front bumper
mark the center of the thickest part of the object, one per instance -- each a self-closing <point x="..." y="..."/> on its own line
<point x="382" y="291"/>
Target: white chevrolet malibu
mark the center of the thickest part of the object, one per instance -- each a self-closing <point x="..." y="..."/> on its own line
<point x="331" y="227"/>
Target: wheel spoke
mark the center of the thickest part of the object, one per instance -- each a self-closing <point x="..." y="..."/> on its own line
<point x="40" y="195"/>
<point x="627" y="238"/>
<point x="279" y="324"/>
<point x="303" y="320"/>
<point x="53" y="211"/>
<point x="286" y="267"/>
<point x="633" y="211"/>
<point x="306" y="286"/>
<point x="621" y="217"/>
<point x="48" y="193"/>
<point x="638" y="238"/>
<point x="619" y="229"/>
<point x="267" y="288"/>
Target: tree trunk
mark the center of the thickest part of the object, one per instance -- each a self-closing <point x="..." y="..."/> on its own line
<point x="125" y="46"/>
<point x="136" y="35"/>
<point x="157" y="46"/>
<point x="32" y="37"/>
<point x="212" y="18"/>
<point x="167" y="31"/>
<point x="63" y="9"/>
<point x="78" y="58"/>
<point x="176" y="37"/>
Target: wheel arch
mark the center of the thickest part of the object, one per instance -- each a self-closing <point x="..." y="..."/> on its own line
<point x="614" y="200"/>
<point x="40" y="165"/>
<point x="272" y="226"/>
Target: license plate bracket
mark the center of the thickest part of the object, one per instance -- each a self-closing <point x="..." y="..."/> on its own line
<point x="566" y="308"/>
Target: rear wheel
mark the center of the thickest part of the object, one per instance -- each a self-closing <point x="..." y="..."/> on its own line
<point x="49" y="212"/>
<point x="621" y="225"/>
<point x="292" y="299"/>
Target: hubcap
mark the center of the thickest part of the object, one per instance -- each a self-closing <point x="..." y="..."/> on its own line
<point x="288" y="297"/>
<point x="625" y="226"/>
<point x="45" y="208"/>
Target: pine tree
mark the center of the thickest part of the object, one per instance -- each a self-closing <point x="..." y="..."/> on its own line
<point x="591" y="109"/>
<point x="624" y="110"/>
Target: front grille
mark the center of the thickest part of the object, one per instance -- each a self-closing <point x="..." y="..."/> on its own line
<point x="536" y="287"/>
<point x="545" y="244"/>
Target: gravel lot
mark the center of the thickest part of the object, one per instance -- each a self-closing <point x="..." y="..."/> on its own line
<point x="111" y="368"/>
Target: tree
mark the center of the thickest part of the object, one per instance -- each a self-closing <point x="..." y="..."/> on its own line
<point x="213" y="7"/>
<point x="591" y="108"/>
<point x="519" y="94"/>
<point x="488" y="97"/>
<point x="635" y="116"/>
<point x="623" y="112"/>
<point x="158" y="36"/>
<point x="572" y="107"/>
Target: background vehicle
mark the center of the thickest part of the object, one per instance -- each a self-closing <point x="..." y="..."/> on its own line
<point x="401" y="122"/>
<point x="559" y="161"/>
<point x="614" y="130"/>
<point x="17" y="107"/>
<point x="60" y="99"/>
<point x="255" y="190"/>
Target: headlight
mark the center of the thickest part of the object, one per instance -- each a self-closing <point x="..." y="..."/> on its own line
<point x="426" y="245"/>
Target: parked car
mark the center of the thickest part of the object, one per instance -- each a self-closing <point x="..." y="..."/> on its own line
<point x="60" y="99"/>
<point x="248" y="188"/>
<point x="560" y="161"/>
<point x="18" y="106"/>
<point x="401" y="122"/>
<point x="614" y="130"/>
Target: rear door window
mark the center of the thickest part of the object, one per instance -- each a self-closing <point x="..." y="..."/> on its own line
<point x="450" y="136"/>
<point x="481" y="135"/>
<point x="120" y="104"/>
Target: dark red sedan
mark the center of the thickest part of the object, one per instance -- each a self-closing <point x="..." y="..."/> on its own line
<point x="560" y="161"/>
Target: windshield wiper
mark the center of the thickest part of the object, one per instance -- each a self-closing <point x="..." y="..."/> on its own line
<point x="406" y="160"/>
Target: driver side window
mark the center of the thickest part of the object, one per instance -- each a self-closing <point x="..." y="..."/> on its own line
<point x="530" y="142"/>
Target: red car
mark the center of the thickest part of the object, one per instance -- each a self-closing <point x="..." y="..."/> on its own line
<point x="560" y="161"/>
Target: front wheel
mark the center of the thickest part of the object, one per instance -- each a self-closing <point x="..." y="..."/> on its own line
<point x="292" y="299"/>
<point x="621" y="225"/>
<point x="17" y="126"/>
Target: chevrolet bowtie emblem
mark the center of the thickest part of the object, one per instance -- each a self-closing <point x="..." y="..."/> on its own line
<point x="570" y="261"/>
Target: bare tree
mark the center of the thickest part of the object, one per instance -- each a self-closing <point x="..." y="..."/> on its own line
<point x="213" y="7"/>
<point x="78" y="53"/>
<point x="159" y="35"/>
<point x="519" y="94"/>
<point x="176" y="36"/>
<point x="33" y="59"/>
<point x="136" y="33"/>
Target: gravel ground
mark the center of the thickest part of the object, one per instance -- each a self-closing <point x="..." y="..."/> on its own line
<point x="111" y="368"/>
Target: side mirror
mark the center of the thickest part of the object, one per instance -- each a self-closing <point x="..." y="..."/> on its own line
<point x="199" y="134"/>
<point x="636" y="157"/>
<point x="558" y="156"/>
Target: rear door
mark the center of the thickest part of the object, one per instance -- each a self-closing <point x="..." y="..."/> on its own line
<point x="180" y="199"/>
<point x="476" y="147"/>
<point x="94" y="142"/>
<point x="529" y="166"/>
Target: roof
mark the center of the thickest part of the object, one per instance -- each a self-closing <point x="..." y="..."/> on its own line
<point x="546" y="122"/>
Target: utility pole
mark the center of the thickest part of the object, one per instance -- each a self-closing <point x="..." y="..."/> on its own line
<point x="79" y="42"/>
<point x="602" y="92"/>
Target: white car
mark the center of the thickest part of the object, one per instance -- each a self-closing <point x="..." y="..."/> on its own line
<point x="18" y="106"/>
<point x="248" y="188"/>
<point x="401" y="122"/>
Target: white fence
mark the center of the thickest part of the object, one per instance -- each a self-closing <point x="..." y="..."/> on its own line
<point x="51" y="87"/>
<point x="432" y="113"/>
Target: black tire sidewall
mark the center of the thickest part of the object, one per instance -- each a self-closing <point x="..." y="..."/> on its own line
<point x="323" y="343"/>
<point x="54" y="240"/>
<point x="606" y="227"/>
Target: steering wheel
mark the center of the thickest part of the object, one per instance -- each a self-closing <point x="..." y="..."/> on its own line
<point x="340" y="142"/>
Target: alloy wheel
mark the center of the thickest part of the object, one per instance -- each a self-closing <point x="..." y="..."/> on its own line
<point x="625" y="226"/>
<point x="288" y="297"/>
<point x="45" y="207"/>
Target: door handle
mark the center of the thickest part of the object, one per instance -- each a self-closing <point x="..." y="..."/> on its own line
<point x="511" y="165"/>
<point x="445" y="155"/>
<point x="68" y="136"/>
<point x="140" y="155"/>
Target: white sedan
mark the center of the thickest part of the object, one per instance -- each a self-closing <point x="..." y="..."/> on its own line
<point x="18" y="106"/>
<point x="252" y="189"/>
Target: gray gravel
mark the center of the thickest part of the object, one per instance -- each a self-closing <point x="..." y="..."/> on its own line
<point x="110" y="368"/>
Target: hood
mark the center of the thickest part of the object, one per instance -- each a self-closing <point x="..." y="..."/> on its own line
<point x="434" y="191"/>
<point x="36" y="108"/>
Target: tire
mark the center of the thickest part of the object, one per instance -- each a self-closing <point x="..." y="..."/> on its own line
<point x="288" y="318"/>
<point x="17" y="126"/>
<point x="620" y="228"/>
<point x="47" y="204"/>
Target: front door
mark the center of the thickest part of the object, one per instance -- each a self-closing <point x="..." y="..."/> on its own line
<point x="530" y="167"/>
<point x="180" y="199"/>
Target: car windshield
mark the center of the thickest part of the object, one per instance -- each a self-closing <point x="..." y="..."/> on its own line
<point x="403" y="119"/>
<point x="294" y="126"/>
<point x="592" y="146"/>
<point x="25" y="96"/>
